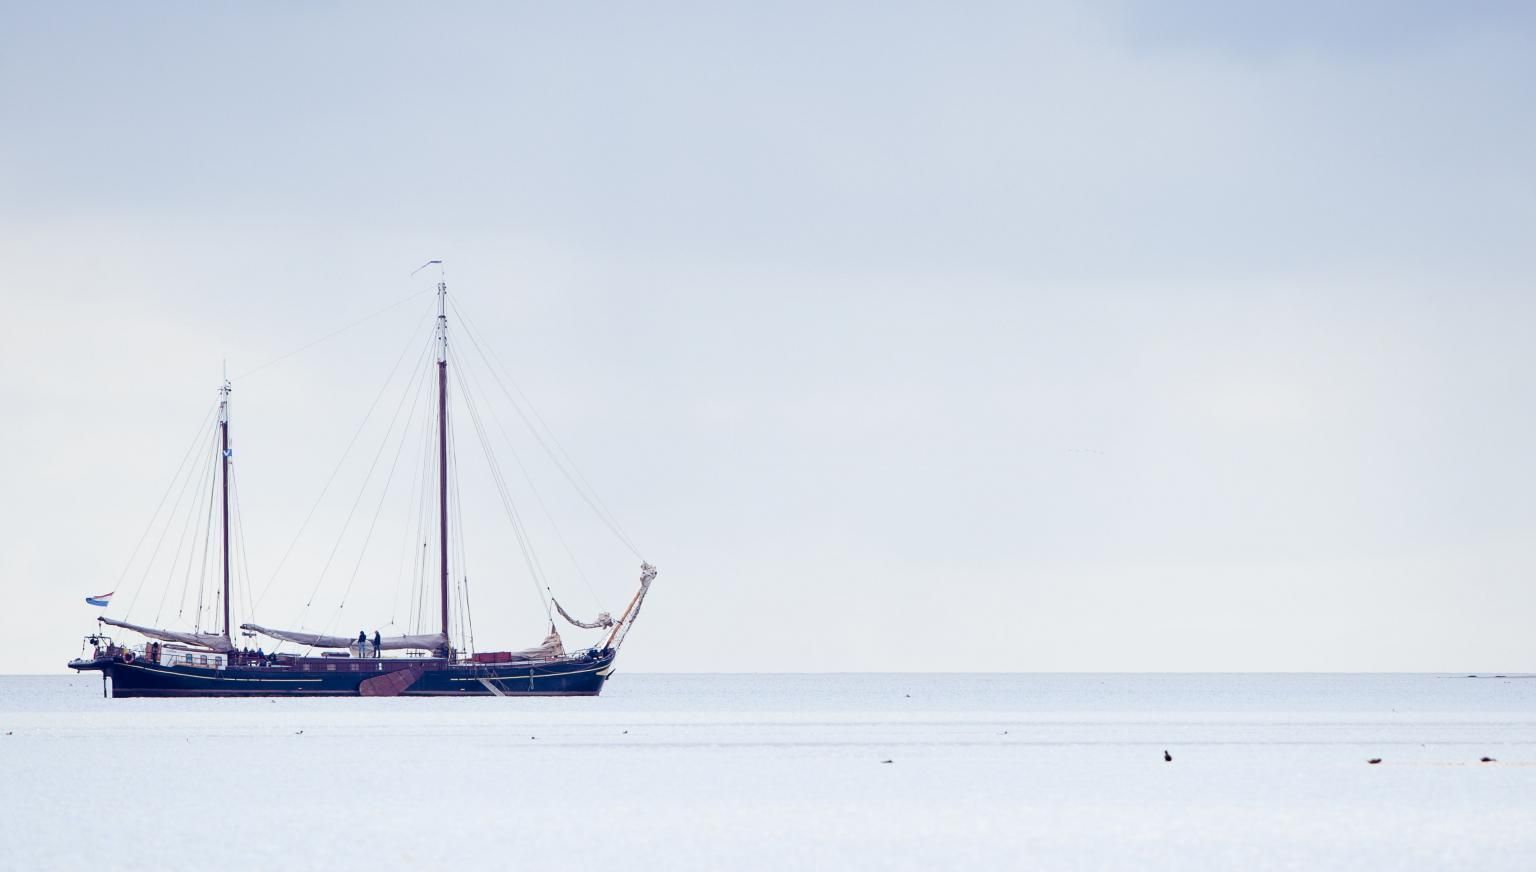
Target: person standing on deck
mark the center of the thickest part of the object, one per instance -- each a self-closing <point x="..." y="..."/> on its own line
<point x="378" y="644"/>
<point x="362" y="643"/>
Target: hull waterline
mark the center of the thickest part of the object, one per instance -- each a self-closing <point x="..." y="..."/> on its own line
<point x="576" y="677"/>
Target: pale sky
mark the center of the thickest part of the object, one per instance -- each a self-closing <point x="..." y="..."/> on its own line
<point x="1115" y="336"/>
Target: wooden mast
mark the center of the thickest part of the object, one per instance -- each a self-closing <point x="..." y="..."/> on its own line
<point x="442" y="451"/>
<point x="224" y="467"/>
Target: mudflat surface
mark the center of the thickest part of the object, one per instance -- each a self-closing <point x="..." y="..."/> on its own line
<point x="683" y="772"/>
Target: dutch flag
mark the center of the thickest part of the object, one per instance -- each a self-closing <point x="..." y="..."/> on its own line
<point x="100" y="599"/>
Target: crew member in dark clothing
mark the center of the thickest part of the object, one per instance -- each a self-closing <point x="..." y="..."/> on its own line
<point x="362" y="643"/>
<point x="378" y="644"/>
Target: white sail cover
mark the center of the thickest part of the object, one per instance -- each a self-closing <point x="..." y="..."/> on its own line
<point x="424" y="641"/>
<point x="550" y="649"/>
<point x="211" y="641"/>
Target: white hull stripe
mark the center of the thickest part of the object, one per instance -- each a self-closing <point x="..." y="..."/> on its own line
<point x="220" y="677"/>
<point x="535" y="677"/>
<point x="603" y="670"/>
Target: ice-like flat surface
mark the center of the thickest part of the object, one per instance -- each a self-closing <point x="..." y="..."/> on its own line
<point x="783" y="772"/>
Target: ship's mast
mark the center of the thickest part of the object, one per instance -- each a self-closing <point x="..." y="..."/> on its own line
<point x="224" y="467"/>
<point x="442" y="447"/>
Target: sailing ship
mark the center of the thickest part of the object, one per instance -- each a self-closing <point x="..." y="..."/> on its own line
<point x="427" y="662"/>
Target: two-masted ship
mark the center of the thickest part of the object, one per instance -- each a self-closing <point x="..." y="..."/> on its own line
<point x="193" y="662"/>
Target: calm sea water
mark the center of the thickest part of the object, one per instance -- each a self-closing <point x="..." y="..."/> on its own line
<point x="887" y="692"/>
<point x="786" y="771"/>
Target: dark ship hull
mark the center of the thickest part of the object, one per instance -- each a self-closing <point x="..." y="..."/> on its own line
<point x="577" y="676"/>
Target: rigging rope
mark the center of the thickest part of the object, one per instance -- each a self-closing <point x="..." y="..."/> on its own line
<point x="388" y="380"/>
<point x="418" y="485"/>
<point x="237" y="538"/>
<point x="392" y="306"/>
<point x="366" y="478"/>
<point x="420" y="560"/>
<point x="584" y="489"/>
<point x="466" y="615"/>
<point x="424" y="531"/>
<point x="535" y="572"/>
<point x="383" y="495"/>
<point x="192" y="512"/>
<point x="191" y="450"/>
<point x="202" y="578"/>
<point x="537" y="496"/>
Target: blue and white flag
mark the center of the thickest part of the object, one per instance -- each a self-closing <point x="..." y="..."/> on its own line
<point x="100" y="599"/>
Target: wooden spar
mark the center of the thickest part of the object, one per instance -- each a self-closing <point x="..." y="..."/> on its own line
<point x="647" y="573"/>
<point x="608" y="643"/>
<point x="442" y="451"/>
<point x="224" y="465"/>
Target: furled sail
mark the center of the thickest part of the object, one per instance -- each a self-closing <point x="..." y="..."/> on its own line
<point x="603" y="621"/>
<point x="550" y="649"/>
<point x="424" y="641"/>
<point x="211" y="641"/>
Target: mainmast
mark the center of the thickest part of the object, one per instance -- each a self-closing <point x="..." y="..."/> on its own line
<point x="224" y="454"/>
<point x="442" y="447"/>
